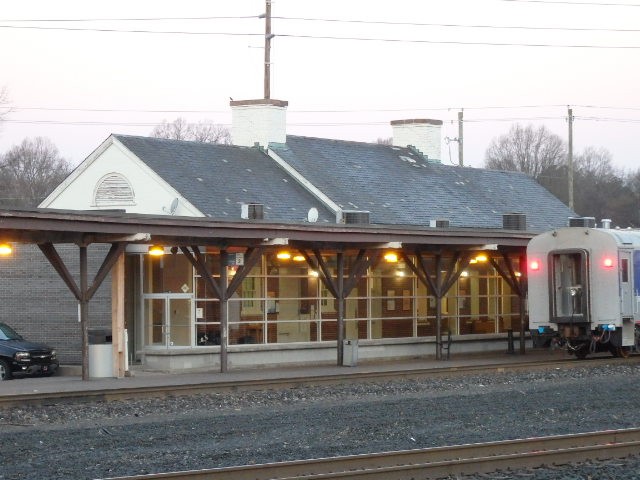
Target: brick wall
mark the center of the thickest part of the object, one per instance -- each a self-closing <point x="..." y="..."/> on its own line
<point x="37" y="303"/>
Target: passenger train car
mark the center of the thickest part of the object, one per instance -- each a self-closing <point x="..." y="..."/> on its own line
<point x="584" y="289"/>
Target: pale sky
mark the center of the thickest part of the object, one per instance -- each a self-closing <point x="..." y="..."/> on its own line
<point x="75" y="85"/>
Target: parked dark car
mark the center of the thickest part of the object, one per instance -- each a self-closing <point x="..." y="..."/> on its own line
<point x="21" y="357"/>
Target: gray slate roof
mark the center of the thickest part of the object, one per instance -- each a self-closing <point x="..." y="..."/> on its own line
<point x="398" y="186"/>
<point x="217" y="179"/>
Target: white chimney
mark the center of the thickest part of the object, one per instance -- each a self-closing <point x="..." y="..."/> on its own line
<point x="421" y="133"/>
<point x="258" y="121"/>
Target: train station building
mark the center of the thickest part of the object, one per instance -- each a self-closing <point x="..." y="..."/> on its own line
<point x="278" y="249"/>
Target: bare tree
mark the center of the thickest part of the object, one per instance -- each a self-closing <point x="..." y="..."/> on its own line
<point x="179" y="129"/>
<point x="526" y="149"/>
<point x="204" y="131"/>
<point x="30" y="171"/>
<point x="603" y="191"/>
<point x="384" y="141"/>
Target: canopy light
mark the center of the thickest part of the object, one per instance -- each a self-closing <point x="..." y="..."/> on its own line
<point x="607" y="262"/>
<point x="391" y="257"/>
<point x="298" y="258"/>
<point x="156" y="250"/>
<point x="5" y="249"/>
<point x="283" y="255"/>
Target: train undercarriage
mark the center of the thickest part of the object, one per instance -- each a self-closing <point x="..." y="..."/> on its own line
<point x="581" y="341"/>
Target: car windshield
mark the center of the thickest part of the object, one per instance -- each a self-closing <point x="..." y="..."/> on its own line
<point x="8" y="333"/>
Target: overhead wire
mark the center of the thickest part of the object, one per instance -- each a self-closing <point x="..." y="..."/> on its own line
<point x="579" y="3"/>
<point x="318" y="124"/>
<point x="458" y="25"/>
<point x="325" y="37"/>
<point x="337" y="110"/>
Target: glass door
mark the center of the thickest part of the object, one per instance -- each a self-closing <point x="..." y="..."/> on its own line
<point x="168" y="320"/>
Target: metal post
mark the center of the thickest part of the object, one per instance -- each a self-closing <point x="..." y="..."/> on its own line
<point x="224" y="319"/>
<point x="267" y="51"/>
<point x="438" y="309"/>
<point x="523" y="298"/>
<point x="460" y="141"/>
<point x="570" y="160"/>
<point x="340" y="299"/>
<point x="510" y="348"/>
<point x="84" y="312"/>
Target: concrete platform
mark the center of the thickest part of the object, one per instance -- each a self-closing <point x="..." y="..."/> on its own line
<point x="139" y="379"/>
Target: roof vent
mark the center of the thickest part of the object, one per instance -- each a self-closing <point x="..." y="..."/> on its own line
<point x="252" y="211"/>
<point x="514" y="221"/>
<point x="605" y="223"/>
<point x="587" y="222"/>
<point x="353" y="217"/>
<point x="439" y="223"/>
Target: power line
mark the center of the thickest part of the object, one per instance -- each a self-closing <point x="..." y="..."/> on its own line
<point x="329" y="37"/>
<point x="561" y="2"/>
<point x="141" y="19"/>
<point x="121" y="30"/>
<point x="330" y="20"/>
<point x="321" y="124"/>
<point x="343" y="110"/>
<point x="457" y="25"/>
<point x="458" y="42"/>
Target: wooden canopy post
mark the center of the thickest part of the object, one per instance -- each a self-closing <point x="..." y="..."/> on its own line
<point x="436" y="283"/>
<point x="341" y="287"/>
<point x="85" y="292"/>
<point x="223" y="289"/>
<point x="517" y="283"/>
<point x="117" y="319"/>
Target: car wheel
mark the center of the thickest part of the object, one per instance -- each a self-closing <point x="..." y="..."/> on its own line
<point x="5" y="372"/>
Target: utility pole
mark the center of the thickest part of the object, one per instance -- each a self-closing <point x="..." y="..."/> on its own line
<point x="460" y="142"/>
<point x="570" y="159"/>
<point x="267" y="50"/>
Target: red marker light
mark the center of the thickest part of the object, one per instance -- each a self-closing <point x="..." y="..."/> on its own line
<point x="607" y="262"/>
<point x="534" y="265"/>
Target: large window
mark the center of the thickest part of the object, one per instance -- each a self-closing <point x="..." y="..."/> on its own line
<point x="283" y="300"/>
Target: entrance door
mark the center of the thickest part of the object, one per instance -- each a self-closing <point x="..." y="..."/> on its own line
<point x="168" y="320"/>
<point x="626" y="288"/>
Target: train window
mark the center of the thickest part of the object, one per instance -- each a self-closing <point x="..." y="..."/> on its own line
<point x="624" y="270"/>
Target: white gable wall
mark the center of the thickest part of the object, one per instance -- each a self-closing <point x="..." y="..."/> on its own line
<point x="151" y="194"/>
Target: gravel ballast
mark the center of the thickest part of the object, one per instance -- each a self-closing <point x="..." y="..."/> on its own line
<point x="107" y="439"/>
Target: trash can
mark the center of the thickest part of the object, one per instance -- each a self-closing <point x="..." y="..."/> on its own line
<point x="350" y="353"/>
<point x="100" y="353"/>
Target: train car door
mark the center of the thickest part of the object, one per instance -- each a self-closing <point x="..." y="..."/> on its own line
<point x="569" y="287"/>
<point x="627" y="297"/>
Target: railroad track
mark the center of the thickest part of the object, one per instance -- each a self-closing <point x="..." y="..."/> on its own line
<point x="172" y="389"/>
<point x="434" y="462"/>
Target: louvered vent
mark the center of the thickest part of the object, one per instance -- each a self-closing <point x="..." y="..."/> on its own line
<point x="113" y="189"/>
<point x="440" y="223"/>
<point x="514" y="221"/>
<point x="355" y="217"/>
<point x="588" y="222"/>
<point x="252" y="211"/>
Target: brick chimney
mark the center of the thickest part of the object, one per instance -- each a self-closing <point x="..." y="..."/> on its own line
<point x="258" y="121"/>
<point x="421" y="133"/>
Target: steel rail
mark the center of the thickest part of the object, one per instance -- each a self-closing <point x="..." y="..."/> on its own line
<point x="176" y="389"/>
<point x="433" y="462"/>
